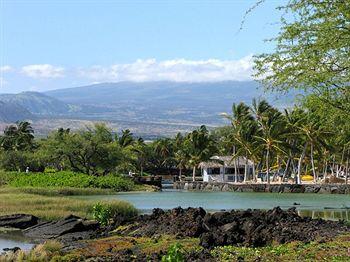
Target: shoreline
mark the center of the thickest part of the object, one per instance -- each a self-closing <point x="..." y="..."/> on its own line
<point x="272" y="188"/>
<point x="202" y="235"/>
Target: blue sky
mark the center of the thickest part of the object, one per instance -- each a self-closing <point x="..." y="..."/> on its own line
<point x="57" y="44"/>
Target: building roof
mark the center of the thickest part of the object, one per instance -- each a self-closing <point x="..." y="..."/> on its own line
<point x="227" y="161"/>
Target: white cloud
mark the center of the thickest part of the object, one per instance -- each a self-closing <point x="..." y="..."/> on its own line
<point x="5" y="68"/>
<point x="180" y="70"/>
<point x="43" y="71"/>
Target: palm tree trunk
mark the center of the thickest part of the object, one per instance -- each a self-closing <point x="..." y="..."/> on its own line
<point x="254" y="173"/>
<point x="235" y="164"/>
<point x="194" y="174"/>
<point x="245" y="169"/>
<point x="268" y="167"/>
<point x="312" y="162"/>
<point x="286" y="170"/>
<point x="300" y="164"/>
<point x="180" y="174"/>
<point x="346" y="171"/>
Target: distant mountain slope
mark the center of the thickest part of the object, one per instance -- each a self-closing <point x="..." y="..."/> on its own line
<point x="163" y="101"/>
<point x="37" y="103"/>
<point x="177" y="93"/>
<point x="11" y="112"/>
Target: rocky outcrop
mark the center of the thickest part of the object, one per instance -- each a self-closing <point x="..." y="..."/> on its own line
<point x="69" y="229"/>
<point x="250" y="227"/>
<point x="281" y="188"/>
<point x="20" y="221"/>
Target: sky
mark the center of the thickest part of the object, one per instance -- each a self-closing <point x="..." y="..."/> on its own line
<point x="52" y="44"/>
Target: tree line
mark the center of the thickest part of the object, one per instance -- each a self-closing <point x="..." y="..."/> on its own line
<point x="281" y="144"/>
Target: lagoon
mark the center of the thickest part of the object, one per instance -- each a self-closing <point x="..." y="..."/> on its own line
<point x="10" y="238"/>
<point x="326" y="206"/>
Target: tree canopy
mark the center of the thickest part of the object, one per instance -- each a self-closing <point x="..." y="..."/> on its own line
<point x="312" y="52"/>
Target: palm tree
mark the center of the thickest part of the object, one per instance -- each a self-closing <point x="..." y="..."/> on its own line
<point x="313" y="134"/>
<point x="242" y="128"/>
<point x="141" y="150"/>
<point x="200" y="146"/>
<point x="180" y="153"/>
<point x="126" y="138"/>
<point x="272" y="127"/>
<point x="18" y="137"/>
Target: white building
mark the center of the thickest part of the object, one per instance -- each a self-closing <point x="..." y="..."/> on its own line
<point x="222" y="169"/>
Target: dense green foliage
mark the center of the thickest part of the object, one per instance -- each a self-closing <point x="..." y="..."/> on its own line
<point x="66" y="179"/>
<point x="312" y="52"/>
<point x="175" y="254"/>
<point x="106" y="213"/>
<point x="287" y="144"/>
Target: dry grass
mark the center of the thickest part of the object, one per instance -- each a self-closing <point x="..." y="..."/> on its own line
<point x="41" y="253"/>
<point x="108" y="247"/>
<point x="50" y="207"/>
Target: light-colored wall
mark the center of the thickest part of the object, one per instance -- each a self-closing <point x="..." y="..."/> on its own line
<point x="219" y="178"/>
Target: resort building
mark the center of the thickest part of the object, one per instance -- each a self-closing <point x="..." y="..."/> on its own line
<point x="222" y="169"/>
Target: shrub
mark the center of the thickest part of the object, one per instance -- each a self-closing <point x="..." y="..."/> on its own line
<point x="113" y="212"/>
<point x="66" y="179"/>
<point x="101" y="213"/>
<point x="175" y="254"/>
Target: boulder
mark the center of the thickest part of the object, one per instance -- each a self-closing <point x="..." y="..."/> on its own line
<point x="68" y="229"/>
<point x="20" y="221"/>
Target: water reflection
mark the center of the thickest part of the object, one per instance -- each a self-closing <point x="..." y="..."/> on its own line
<point x="331" y="214"/>
<point x="10" y="238"/>
<point x="309" y="204"/>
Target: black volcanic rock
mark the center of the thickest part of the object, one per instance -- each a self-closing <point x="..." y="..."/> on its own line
<point x="69" y="229"/>
<point x="249" y="227"/>
<point x="20" y="221"/>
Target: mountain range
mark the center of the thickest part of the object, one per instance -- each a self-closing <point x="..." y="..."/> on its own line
<point x="145" y="103"/>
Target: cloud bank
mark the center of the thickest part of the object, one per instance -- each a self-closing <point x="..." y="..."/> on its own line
<point x="179" y="70"/>
<point x="48" y="76"/>
<point x="43" y="71"/>
<point x="5" y="68"/>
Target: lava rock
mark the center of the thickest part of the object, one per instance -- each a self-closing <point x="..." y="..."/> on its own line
<point x="249" y="227"/>
<point x="20" y="221"/>
<point x="69" y="229"/>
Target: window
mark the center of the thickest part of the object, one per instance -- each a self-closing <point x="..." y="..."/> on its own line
<point x="229" y="170"/>
<point x="230" y="178"/>
<point x="214" y="171"/>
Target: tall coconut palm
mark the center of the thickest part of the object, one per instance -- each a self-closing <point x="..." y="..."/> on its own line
<point x="241" y="123"/>
<point x="164" y="149"/>
<point x="180" y="153"/>
<point x="313" y="134"/>
<point x="272" y="131"/>
<point x="200" y="146"/>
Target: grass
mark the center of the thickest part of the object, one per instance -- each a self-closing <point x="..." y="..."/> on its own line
<point x="66" y="179"/>
<point x="57" y="191"/>
<point x="337" y="249"/>
<point x="107" y="247"/>
<point x="48" y="251"/>
<point x="51" y="206"/>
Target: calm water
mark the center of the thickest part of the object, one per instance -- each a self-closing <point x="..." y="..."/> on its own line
<point x="315" y="205"/>
<point x="333" y="207"/>
<point x="11" y="238"/>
